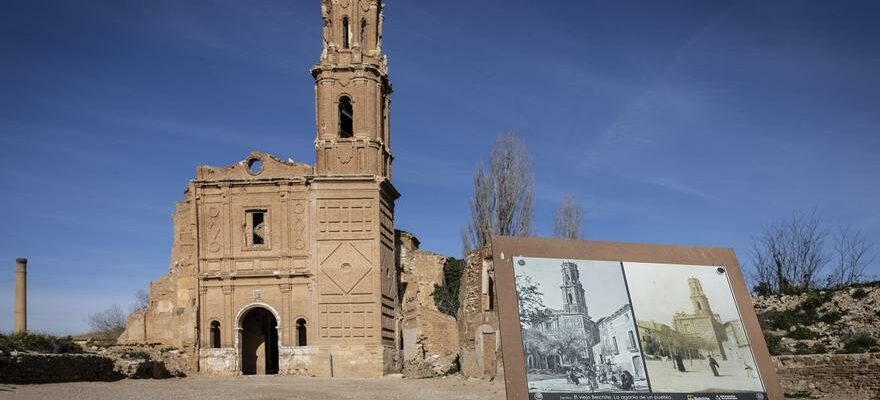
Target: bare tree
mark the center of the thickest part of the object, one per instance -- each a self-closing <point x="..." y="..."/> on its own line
<point x="851" y="256"/>
<point x="790" y="255"/>
<point x="141" y="301"/>
<point x="503" y="194"/>
<point x="568" y="218"/>
<point x="112" y="319"/>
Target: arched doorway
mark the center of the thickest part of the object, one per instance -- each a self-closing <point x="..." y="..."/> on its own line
<point x="259" y="342"/>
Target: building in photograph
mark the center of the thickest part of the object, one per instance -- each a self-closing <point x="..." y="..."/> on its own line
<point x="698" y="334"/>
<point x="571" y="324"/>
<point x="617" y="344"/>
<point x="703" y="322"/>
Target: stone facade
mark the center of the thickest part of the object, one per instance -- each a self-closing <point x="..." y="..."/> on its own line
<point x="616" y="343"/>
<point x="832" y="377"/>
<point x="281" y="267"/>
<point x="430" y="337"/>
<point x="703" y="322"/>
<point x="479" y="338"/>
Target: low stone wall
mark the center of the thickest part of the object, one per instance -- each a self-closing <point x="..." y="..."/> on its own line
<point x="346" y="361"/>
<point x="830" y="376"/>
<point x="52" y="368"/>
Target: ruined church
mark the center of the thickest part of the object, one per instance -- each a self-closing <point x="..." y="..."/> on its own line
<point x="284" y="267"/>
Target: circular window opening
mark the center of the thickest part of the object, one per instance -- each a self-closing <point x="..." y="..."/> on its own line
<point x="255" y="166"/>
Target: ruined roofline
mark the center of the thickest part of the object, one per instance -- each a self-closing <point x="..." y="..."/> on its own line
<point x="256" y="165"/>
<point x="261" y="167"/>
<point x="418" y="244"/>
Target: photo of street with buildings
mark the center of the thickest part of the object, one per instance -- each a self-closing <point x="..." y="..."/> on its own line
<point x="579" y="333"/>
<point x="690" y="329"/>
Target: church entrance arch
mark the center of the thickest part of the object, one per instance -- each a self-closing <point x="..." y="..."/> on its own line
<point x="258" y="333"/>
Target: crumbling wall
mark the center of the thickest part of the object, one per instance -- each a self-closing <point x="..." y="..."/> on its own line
<point x="480" y="341"/>
<point x="32" y="368"/>
<point x="430" y="337"/>
<point x="27" y="368"/>
<point x="830" y="376"/>
<point x="170" y="318"/>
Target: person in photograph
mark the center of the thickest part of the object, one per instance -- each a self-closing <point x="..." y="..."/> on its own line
<point x="573" y="376"/>
<point x="750" y="372"/>
<point x="679" y="362"/>
<point x="626" y="380"/>
<point x="591" y="378"/>
<point x="713" y="363"/>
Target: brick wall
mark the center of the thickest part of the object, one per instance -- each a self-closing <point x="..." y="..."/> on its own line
<point x="53" y="368"/>
<point x="830" y="376"/>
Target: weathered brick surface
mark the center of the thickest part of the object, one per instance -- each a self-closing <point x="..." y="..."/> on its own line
<point x="479" y="341"/>
<point x="430" y="338"/>
<point x="830" y="376"/>
<point x="53" y="368"/>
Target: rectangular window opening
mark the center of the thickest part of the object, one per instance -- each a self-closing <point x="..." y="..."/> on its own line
<point x="256" y="230"/>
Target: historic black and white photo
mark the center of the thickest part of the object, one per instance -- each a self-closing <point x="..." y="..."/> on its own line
<point x="691" y="332"/>
<point x="579" y="332"/>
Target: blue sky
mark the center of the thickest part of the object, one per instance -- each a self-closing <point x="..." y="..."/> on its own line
<point x="671" y="122"/>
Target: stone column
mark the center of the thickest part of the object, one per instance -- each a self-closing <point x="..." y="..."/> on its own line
<point x="21" y="295"/>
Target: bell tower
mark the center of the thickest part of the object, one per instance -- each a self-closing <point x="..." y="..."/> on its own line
<point x="352" y="92"/>
<point x="573" y="299"/>
<point x="699" y="299"/>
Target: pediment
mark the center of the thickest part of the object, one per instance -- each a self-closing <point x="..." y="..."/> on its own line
<point x="257" y="165"/>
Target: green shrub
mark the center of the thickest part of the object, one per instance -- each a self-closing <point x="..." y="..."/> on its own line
<point x="454" y="368"/>
<point x="774" y="344"/>
<point x="802" y="348"/>
<point x="133" y="354"/>
<point x="860" y="343"/>
<point x="815" y="300"/>
<point x="831" y="318"/>
<point x="819" y="348"/>
<point x="446" y="296"/>
<point x="806" y="315"/>
<point x="801" y="333"/>
<point x="859" y="294"/>
<point x="762" y="289"/>
<point x="780" y="320"/>
<point x="38" y="343"/>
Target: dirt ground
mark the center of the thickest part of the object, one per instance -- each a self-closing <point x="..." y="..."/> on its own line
<point x="262" y="388"/>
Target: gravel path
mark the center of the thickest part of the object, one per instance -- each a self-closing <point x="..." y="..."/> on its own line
<point x="262" y="388"/>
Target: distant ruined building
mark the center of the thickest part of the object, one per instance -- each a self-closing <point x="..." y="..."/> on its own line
<point x="284" y="267"/>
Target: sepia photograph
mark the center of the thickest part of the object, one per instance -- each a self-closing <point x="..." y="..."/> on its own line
<point x="578" y="327"/>
<point x="690" y="329"/>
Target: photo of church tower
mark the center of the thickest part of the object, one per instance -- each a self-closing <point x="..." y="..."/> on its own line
<point x="690" y="329"/>
<point x="284" y="267"/>
<point x="702" y="322"/>
<point x="566" y="349"/>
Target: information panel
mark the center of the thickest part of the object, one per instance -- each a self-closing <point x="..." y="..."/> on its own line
<point x="600" y="328"/>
